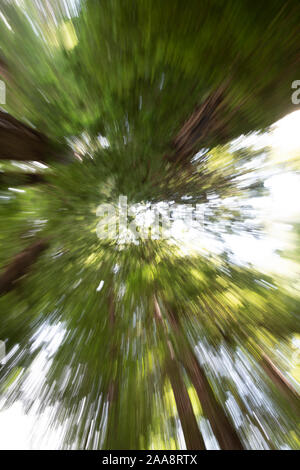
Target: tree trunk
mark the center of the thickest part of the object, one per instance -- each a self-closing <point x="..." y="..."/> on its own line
<point x="222" y="427"/>
<point x="20" y="265"/>
<point x="21" y="142"/>
<point x="201" y="127"/>
<point x="281" y="383"/>
<point x="14" y="179"/>
<point x="113" y="387"/>
<point x="191" y="432"/>
<point x="4" y="70"/>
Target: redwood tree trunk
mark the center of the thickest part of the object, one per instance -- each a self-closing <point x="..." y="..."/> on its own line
<point x="191" y="432"/>
<point x="208" y="120"/>
<point x="21" y="142"/>
<point x="15" y="179"/>
<point x="280" y="382"/>
<point x="20" y="265"/>
<point x="113" y="386"/>
<point x="222" y="427"/>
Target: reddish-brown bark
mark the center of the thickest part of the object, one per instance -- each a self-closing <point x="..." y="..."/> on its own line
<point x="15" y="179"/>
<point x="191" y="431"/>
<point x="21" y="142"/>
<point x="222" y="427"/>
<point x="20" y="265"/>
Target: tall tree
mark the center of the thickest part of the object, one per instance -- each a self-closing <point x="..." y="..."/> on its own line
<point x="186" y="415"/>
<point x="221" y="425"/>
<point x="21" y="142"/>
<point x="21" y="264"/>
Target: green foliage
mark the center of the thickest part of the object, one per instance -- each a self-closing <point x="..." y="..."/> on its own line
<point x="132" y="73"/>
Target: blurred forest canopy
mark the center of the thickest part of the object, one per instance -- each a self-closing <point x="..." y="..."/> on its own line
<point x="143" y="98"/>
